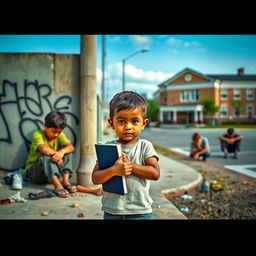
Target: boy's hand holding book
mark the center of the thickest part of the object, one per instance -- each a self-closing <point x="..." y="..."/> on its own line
<point x="122" y="166"/>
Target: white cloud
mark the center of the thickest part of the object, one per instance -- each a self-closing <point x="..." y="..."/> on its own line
<point x="142" y="81"/>
<point x="98" y="73"/>
<point x="142" y="87"/>
<point x="137" y="39"/>
<point x="113" y="39"/>
<point x="195" y="45"/>
<point x="174" y="41"/>
<point x="137" y="74"/>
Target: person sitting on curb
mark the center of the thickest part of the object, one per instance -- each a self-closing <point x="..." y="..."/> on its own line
<point x="50" y="155"/>
<point x="230" y="142"/>
<point x="199" y="147"/>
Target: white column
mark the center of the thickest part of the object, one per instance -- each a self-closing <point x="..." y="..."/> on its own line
<point x="174" y="117"/>
<point x="201" y="117"/>
<point x="161" y="118"/>
<point x="195" y="116"/>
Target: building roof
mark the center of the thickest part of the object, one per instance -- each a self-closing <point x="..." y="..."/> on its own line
<point x="233" y="77"/>
<point x="169" y="80"/>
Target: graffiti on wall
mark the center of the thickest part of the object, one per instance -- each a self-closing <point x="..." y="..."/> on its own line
<point x="22" y="111"/>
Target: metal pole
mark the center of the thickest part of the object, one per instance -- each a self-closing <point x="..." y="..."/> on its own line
<point x="88" y="110"/>
<point x="103" y="72"/>
<point x="123" y="66"/>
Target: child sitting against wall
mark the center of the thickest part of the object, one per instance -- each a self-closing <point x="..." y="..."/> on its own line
<point x="50" y="157"/>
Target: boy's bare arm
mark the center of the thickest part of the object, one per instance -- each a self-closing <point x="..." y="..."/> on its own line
<point x="150" y="171"/>
<point x="45" y="150"/>
<point x="56" y="155"/>
<point x="67" y="148"/>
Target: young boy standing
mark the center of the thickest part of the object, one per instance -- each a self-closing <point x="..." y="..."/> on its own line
<point x="50" y="155"/>
<point x="139" y="162"/>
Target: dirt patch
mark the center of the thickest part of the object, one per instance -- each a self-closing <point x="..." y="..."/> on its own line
<point x="231" y="195"/>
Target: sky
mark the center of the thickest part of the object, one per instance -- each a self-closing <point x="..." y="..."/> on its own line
<point x="166" y="56"/>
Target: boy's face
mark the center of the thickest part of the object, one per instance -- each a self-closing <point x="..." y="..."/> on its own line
<point x="128" y="124"/>
<point x="52" y="133"/>
<point x="198" y="141"/>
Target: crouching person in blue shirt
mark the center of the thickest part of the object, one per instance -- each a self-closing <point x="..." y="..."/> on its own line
<point x="199" y="147"/>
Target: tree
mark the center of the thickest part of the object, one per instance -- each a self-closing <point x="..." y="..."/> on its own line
<point x="152" y="110"/>
<point x="209" y="108"/>
<point x="237" y="105"/>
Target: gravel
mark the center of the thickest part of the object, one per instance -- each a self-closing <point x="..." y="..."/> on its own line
<point x="231" y="196"/>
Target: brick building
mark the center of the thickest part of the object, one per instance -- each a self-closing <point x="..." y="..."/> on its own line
<point x="179" y="97"/>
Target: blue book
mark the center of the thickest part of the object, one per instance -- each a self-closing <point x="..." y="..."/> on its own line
<point x="107" y="154"/>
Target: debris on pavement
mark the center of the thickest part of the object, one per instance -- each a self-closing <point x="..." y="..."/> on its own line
<point x="204" y="186"/>
<point x="216" y="187"/>
<point x="75" y="205"/>
<point x="17" y="198"/>
<point x="186" y="196"/>
<point x="230" y="196"/>
<point x="44" y="213"/>
<point x="39" y="195"/>
<point x="184" y="209"/>
<point x="5" y="201"/>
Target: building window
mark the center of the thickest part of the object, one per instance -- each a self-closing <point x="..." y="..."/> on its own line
<point x="164" y="98"/>
<point x="224" y="94"/>
<point x="194" y="95"/>
<point x="189" y="96"/>
<point x="237" y="94"/>
<point x="250" y="94"/>
<point x="184" y="96"/>
<point x="249" y="110"/>
<point x="224" y="111"/>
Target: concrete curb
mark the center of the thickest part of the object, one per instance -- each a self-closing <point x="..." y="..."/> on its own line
<point x="184" y="188"/>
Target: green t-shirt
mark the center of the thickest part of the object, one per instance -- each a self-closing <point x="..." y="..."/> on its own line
<point x="39" y="138"/>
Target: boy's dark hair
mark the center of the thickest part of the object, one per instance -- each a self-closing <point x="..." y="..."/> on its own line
<point x="55" y="119"/>
<point x="230" y="130"/>
<point x="196" y="136"/>
<point x="127" y="100"/>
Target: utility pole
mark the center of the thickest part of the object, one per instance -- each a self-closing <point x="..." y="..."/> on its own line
<point x="123" y="64"/>
<point x="88" y="110"/>
<point x="102" y="113"/>
<point x="103" y="73"/>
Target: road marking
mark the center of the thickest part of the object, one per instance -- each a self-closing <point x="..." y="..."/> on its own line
<point x="244" y="169"/>
<point x="186" y="151"/>
<point x="180" y="150"/>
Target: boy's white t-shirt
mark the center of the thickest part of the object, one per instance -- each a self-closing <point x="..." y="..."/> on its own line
<point x="137" y="200"/>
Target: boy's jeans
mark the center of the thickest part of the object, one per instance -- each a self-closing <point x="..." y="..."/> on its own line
<point x="230" y="148"/>
<point x="147" y="216"/>
<point x="44" y="169"/>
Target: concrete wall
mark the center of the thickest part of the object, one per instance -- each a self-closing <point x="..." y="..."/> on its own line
<point x="31" y="85"/>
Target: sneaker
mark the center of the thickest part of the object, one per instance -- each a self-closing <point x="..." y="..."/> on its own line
<point x="225" y="155"/>
<point x="235" y="155"/>
<point x="17" y="181"/>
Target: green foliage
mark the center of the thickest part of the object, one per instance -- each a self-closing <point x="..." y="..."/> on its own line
<point x="153" y="110"/>
<point x="209" y="106"/>
<point x="237" y="105"/>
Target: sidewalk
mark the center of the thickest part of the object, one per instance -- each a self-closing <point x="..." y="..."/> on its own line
<point x="174" y="177"/>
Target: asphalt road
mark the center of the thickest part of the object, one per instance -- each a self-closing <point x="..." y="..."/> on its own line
<point x="179" y="140"/>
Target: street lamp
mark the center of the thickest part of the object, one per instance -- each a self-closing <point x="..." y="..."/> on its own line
<point x="143" y="50"/>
